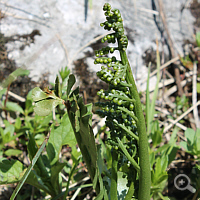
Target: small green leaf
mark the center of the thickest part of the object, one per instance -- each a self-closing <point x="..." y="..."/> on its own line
<point x="38" y="94"/>
<point x="64" y="73"/>
<point x="45" y="107"/>
<point x="11" y="171"/>
<point x="18" y="123"/>
<point x="14" y="75"/>
<point x="45" y="102"/>
<point x="11" y="106"/>
<point x="13" y="152"/>
<point x="57" y="87"/>
<point x="71" y="82"/>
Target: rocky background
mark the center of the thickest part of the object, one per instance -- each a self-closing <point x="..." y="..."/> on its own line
<point x="44" y="36"/>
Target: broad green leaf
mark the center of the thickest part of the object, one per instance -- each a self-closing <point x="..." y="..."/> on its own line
<point x="14" y="75"/>
<point x="71" y="82"/>
<point x="60" y="136"/>
<point x="157" y="169"/>
<point x="13" y="152"/>
<point x="33" y="180"/>
<point x="55" y="170"/>
<point x="11" y="106"/>
<point x="45" y="102"/>
<point x="84" y="135"/>
<point x="38" y="94"/>
<point x="184" y="145"/>
<point x="45" y="107"/>
<point x="11" y="171"/>
<point x="190" y="134"/>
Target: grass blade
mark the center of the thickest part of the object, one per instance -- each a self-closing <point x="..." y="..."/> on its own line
<point x="25" y="176"/>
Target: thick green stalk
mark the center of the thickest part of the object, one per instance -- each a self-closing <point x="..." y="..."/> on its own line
<point x="145" y="174"/>
<point x="113" y="187"/>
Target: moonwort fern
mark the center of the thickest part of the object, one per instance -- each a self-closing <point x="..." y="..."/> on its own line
<point x="122" y="108"/>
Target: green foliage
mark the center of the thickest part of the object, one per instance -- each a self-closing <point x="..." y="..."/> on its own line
<point x="45" y="102"/>
<point x="181" y="104"/>
<point x="11" y="171"/>
<point x="160" y="159"/>
<point x="124" y="167"/>
<point x="198" y="88"/>
<point x="122" y="108"/>
<point x="7" y="135"/>
<point x="198" y="39"/>
<point x="192" y="145"/>
<point x="44" y="170"/>
<point x="13" y="76"/>
<point x="57" y="140"/>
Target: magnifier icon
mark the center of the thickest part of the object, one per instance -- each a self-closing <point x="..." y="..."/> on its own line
<point x="182" y="182"/>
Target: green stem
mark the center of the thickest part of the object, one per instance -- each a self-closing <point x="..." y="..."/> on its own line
<point x="127" y="130"/>
<point x="133" y="162"/>
<point x="145" y="174"/>
<point x="113" y="187"/>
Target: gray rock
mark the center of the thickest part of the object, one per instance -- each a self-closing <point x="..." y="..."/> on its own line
<point x="62" y="25"/>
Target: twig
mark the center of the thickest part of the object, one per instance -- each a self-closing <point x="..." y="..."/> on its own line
<point x="77" y="191"/>
<point x="194" y="95"/>
<point x="178" y="124"/>
<point x="176" y="69"/>
<point x="64" y="47"/>
<point x="13" y="7"/>
<point x="154" y="12"/>
<point x="174" y="88"/>
<point x="182" y="116"/>
<point x="24" y="18"/>
<point x="15" y="96"/>
<point x="163" y="66"/>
